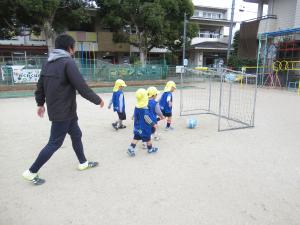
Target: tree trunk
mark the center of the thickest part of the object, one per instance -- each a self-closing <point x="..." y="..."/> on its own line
<point x="49" y="35"/>
<point x="50" y="43"/>
<point x="142" y="44"/>
<point x="143" y="55"/>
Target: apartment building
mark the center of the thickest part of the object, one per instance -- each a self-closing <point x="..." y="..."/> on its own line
<point x="210" y="46"/>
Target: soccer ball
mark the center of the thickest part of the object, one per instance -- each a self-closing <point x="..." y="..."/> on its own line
<point x="230" y="77"/>
<point x="191" y="123"/>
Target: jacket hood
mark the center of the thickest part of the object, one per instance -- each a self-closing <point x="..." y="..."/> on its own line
<point x="58" y="53"/>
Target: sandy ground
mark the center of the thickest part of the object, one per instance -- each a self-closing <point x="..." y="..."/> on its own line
<point x="201" y="176"/>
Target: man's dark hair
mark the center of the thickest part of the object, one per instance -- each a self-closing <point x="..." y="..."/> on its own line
<point x="64" y="41"/>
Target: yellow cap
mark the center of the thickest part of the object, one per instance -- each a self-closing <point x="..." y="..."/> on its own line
<point x="141" y="98"/>
<point x="169" y="86"/>
<point x="152" y="91"/>
<point x="119" y="83"/>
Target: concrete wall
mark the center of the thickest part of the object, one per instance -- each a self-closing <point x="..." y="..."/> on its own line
<point x="285" y="12"/>
<point x="297" y="15"/>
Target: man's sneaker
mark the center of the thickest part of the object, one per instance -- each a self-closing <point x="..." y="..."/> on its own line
<point x="130" y="151"/>
<point x="87" y="165"/>
<point x="33" y="177"/>
<point x="121" y="126"/>
<point x="152" y="150"/>
<point x="115" y="126"/>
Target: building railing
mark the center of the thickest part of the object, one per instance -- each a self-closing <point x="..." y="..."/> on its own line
<point x="261" y="18"/>
<point x="210" y="19"/>
<point x="210" y="35"/>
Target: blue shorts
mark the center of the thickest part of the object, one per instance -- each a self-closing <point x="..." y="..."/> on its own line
<point x="144" y="139"/>
<point x="122" y="115"/>
<point x="169" y="114"/>
<point x="153" y="130"/>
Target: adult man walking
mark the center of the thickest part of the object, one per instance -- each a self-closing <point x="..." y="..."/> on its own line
<point x="57" y="85"/>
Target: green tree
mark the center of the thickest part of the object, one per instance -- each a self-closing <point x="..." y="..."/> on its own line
<point x="235" y="44"/>
<point x="234" y="60"/>
<point x="146" y="24"/>
<point x="50" y="17"/>
<point x="8" y="22"/>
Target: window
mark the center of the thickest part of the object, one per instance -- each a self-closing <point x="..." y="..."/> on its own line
<point x="209" y="15"/>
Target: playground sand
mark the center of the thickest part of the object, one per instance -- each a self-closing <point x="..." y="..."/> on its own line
<point x="200" y="176"/>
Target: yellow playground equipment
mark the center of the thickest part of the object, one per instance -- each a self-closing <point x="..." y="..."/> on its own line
<point x="273" y="75"/>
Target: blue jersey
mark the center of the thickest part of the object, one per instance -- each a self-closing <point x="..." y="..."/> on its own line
<point x="141" y="125"/>
<point x="164" y="104"/>
<point x="118" y="101"/>
<point x="151" y="105"/>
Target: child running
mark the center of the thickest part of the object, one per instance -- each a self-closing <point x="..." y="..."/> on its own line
<point x="166" y="103"/>
<point x="154" y="109"/>
<point x="142" y="123"/>
<point x="118" y="102"/>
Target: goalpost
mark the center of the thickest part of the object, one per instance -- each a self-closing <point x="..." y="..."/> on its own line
<point x="230" y="95"/>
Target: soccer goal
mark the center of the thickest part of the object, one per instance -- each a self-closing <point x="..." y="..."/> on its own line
<point x="230" y="95"/>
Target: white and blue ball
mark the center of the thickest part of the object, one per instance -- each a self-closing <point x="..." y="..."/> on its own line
<point x="191" y="123"/>
<point x="230" y="77"/>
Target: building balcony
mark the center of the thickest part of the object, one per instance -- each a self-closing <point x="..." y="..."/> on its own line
<point x="209" y="37"/>
<point x="210" y="21"/>
<point x="268" y="24"/>
<point x="257" y="1"/>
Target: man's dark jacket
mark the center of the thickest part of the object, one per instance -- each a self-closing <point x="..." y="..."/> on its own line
<point x="57" y="85"/>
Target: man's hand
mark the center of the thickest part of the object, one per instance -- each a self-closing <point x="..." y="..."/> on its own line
<point x="41" y="111"/>
<point x="101" y="103"/>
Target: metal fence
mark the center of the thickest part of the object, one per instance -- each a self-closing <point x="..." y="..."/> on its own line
<point x="24" y="71"/>
<point x="229" y="95"/>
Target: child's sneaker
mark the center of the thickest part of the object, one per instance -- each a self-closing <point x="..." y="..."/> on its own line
<point x="156" y="138"/>
<point x="87" y="165"/>
<point x="130" y="151"/>
<point x="144" y="145"/>
<point x="169" y="128"/>
<point x="115" y="126"/>
<point x="33" y="177"/>
<point x="121" y="127"/>
<point x="152" y="150"/>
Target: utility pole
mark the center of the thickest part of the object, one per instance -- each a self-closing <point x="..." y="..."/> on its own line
<point x="230" y="29"/>
<point x="184" y="39"/>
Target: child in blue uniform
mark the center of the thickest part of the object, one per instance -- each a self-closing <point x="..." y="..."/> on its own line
<point x="166" y="103"/>
<point x="154" y="109"/>
<point x="142" y="123"/>
<point x="118" y="102"/>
